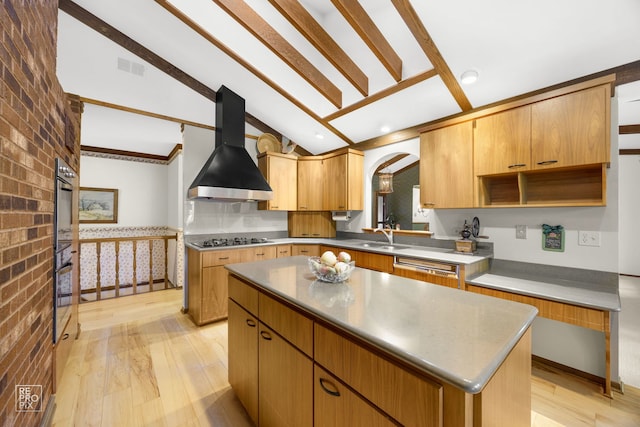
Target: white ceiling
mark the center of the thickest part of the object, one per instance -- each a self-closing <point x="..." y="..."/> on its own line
<point x="517" y="47"/>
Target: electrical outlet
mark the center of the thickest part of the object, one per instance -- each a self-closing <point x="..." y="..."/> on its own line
<point x="521" y="231"/>
<point x="589" y="238"/>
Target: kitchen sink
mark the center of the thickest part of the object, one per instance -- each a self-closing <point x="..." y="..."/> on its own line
<point x="381" y="245"/>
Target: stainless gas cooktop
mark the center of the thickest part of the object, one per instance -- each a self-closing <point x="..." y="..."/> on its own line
<point x="230" y="241"/>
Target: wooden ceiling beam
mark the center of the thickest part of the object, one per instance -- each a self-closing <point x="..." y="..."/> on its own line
<point x="628" y="129"/>
<point x="382" y="94"/>
<point x="415" y="25"/>
<point x="360" y="21"/>
<point x="306" y="24"/>
<point x="256" y="25"/>
<point x="391" y="161"/>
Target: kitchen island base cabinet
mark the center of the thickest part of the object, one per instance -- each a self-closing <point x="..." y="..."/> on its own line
<point x="311" y="372"/>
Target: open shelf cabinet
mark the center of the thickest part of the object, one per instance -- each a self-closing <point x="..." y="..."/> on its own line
<point x="574" y="186"/>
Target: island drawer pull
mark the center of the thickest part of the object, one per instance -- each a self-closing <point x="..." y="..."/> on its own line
<point x="517" y="165"/>
<point x="266" y="335"/>
<point x="225" y="257"/>
<point x="304" y="251"/>
<point x="251" y="323"/>
<point x="334" y="392"/>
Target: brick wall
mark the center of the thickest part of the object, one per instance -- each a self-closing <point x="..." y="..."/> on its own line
<point x="32" y="110"/>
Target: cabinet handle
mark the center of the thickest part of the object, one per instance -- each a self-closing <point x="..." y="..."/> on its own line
<point x="259" y="254"/>
<point x="340" y="207"/>
<point x="302" y="207"/>
<point x="304" y="252"/>
<point x="251" y="323"/>
<point x="517" y="165"/>
<point x="305" y="234"/>
<point x="266" y="335"/>
<point x="547" y="162"/>
<point x="316" y="234"/>
<point x="226" y="257"/>
<point x="274" y="207"/>
<point x="335" y="392"/>
<point x="65" y="336"/>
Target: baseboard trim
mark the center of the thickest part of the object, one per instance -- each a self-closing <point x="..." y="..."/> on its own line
<point x="47" y="417"/>
<point x="617" y="386"/>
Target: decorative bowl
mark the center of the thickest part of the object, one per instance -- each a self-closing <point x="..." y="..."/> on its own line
<point x="331" y="274"/>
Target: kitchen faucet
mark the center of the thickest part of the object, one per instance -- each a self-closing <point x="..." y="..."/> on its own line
<point x="388" y="235"/>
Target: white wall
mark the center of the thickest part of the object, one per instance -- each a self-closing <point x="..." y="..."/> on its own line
<point x="175" y="193"/>
<point x="629" y="209"/>
<point x="142" y="189"/>
<point x="205" y="217"/>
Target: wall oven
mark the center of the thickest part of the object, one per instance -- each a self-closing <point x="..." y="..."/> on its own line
<point x="63" y="249"/>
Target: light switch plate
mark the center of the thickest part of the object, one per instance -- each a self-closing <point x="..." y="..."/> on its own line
<point x="589" y="238"/>
<point x="521" y="231"/>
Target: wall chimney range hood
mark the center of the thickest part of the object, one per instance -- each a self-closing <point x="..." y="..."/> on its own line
<point x="230" y="174"/>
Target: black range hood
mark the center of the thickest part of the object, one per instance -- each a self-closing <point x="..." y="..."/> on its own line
<point x="229" y="175"/>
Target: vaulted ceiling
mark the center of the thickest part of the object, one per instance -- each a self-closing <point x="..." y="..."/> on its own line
<point x="328" y="74"/>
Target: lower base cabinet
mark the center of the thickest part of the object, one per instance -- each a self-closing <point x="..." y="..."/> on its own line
<point x="243" y="352"/>
<point x="285" y="394"/>
<point x="335" y="405"/>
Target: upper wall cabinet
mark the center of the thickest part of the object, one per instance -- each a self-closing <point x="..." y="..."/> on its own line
<point x="281" y="171"/>
<point x="446" y="167"/>
<point x="310" y="183"/>
<point x="343" y="180"/>
<point x="502" y="142"/>
<point x="572" y="129"/>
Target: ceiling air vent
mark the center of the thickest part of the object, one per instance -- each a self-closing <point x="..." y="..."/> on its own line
<point x="131" y="67"/>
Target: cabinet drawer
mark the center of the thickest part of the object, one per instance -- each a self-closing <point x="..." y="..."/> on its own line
<point x="414" y="402"/>
<point x="213" y="258"/>
<point x="257" y="254"/>
<point x="307" y="250"/>
<point x="293" y="326"/>
<point x="283" y="251"/>
<point x="243" y="294"/>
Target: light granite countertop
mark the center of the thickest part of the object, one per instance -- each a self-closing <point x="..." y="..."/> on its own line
<point x="397" y="249"/>
<point x="459" y="337"/>
<point x="586" y="288"/>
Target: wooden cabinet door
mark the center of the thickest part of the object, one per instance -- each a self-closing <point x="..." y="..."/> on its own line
<point x="285" y="383"/>
<point x="283" y="251"/>
<point x="310" y="183"/>
<point x="502" y="142"/>
<point x="446" y="167"/>
<point x="343" y="181"/>
<point x="213" y="304"/>
<point x="311" y="224"/>
<point x="335" y="405"/>
<point x="281" y="171"/>
<point x="243" y="358"/>
<point x="571" y="130"/>
<point x="335" y="183"/>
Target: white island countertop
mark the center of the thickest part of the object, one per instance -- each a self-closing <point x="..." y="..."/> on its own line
<point x="459" y="337"/>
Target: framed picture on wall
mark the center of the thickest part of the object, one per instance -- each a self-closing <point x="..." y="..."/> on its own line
<point x="98" y="205"/>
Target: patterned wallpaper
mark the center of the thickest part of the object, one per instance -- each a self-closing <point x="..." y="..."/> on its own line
<point x="89" y="259"/>
<point x="400" y="202"/>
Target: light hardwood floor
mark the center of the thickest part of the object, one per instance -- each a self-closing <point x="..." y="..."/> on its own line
<point x="140" y="362"/>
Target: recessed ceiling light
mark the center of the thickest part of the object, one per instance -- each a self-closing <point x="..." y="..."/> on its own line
<point x="469" y="77"/>
<point x="319" y="135"/>
<point x="385" y="129"/>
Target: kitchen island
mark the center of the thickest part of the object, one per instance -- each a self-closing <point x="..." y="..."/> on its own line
<point x="373" y="349"/>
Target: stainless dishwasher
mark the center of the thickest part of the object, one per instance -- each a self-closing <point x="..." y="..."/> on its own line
<point x="438" y="272"/>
